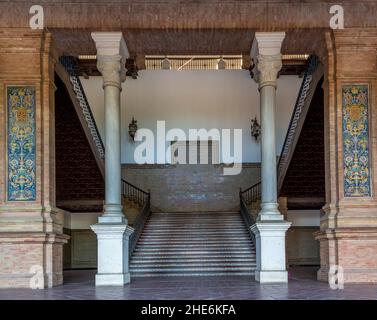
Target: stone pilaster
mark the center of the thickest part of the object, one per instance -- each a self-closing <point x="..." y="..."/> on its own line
<point x="31" y="233"/>
<point x="348" y="235"/>
<point x="270" y="227"/>
<point x="112" y="229"/>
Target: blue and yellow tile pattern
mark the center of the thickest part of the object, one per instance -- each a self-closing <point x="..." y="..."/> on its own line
<point x="21" y="143"/>
<point x="355" y="141"/>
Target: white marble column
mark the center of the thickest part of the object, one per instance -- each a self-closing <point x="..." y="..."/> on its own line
<point x="270" y="227"/>
<point x="112" y="229"/>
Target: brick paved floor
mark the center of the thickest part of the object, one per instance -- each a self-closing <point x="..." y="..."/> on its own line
<point x="302" y="285"/>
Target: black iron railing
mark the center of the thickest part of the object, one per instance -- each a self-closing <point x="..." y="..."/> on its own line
<point x="138" y="225"/>
<point x="69" y="64"/>
<point x="246" y="216"/>
<point x="251" y="194"/>
<point x="298" y="111"/>
<point x="133" y="193"/>
<point x="143" y="199"/>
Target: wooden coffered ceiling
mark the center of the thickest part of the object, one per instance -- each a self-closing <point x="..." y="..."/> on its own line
<point x="188" y="41"/>
<point x="188" y="27"/>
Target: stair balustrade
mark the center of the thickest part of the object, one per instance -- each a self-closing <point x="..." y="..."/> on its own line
<point x="69" y="63"/>
<point x="142" y="198"/>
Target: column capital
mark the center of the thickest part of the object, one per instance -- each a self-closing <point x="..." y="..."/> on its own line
<point x="267" y="68"/>
<point x="265" y="52"/>
<point x="112" y="70"/>
<point x="112" y="53"/>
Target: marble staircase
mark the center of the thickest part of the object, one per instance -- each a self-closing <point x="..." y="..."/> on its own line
<point x="194" y="244"/>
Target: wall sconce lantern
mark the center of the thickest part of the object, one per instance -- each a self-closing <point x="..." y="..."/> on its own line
<point x="255" y="128"/>
<point x="132" y="128"/>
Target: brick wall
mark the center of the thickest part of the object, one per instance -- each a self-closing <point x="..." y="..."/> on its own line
<point x="77" y="174"/>
<point x="187" y="188"/>
<point x="30" y="231"/>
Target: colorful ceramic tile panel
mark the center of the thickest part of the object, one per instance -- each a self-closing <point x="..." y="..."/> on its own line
<point x="21" y="143"/>
<point x="355" y="141"/>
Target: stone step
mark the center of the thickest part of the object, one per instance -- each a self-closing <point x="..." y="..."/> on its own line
<point x="201" y="242"/>
<point x="195" y="221"/>
<point x="219" y="259"/>
<point x="186" y="239"/>
<point x="193" y="269"/>
<point x="196" y="217"/>
<point x="194" y="224"/>
<point x="192" y="274"/>
<point x="193" y="251"/>
<point x="195" y="232"/>
<point x="188" y="255"/>
<point x="194" y="246"/>
<point x="193" y="264"/>
<point x="196" y="213"/>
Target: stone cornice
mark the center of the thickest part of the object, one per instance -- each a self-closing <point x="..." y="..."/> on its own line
<point x="267" y="43"/>
<point x="110" y="44"/>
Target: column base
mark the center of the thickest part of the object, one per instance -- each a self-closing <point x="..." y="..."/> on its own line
<point x="113" y="213"/>
<point x="114" y="279"/>
<point x="270" y="246"/>
<point x="113" y="249"/>
<point x="271" y="276"/>
<point x="269" y="212"/>
<point x="112" y="219"/>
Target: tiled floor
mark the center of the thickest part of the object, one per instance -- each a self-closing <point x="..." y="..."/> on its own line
<point x="302" y="285"/>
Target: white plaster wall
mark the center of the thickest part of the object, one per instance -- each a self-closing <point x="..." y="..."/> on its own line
<point x="222" y="99"/>
<point x="77" y="220"/>
<point x="304" y="218"/>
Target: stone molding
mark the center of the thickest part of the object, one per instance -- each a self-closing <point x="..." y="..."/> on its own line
<point x="347" y="233"/>
<point x="267" y="43"/>
<point x="110" y="44"/>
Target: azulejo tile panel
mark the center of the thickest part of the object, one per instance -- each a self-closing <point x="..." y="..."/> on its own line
<point x="355" y="141"/>
<point x="21" y="143"/>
